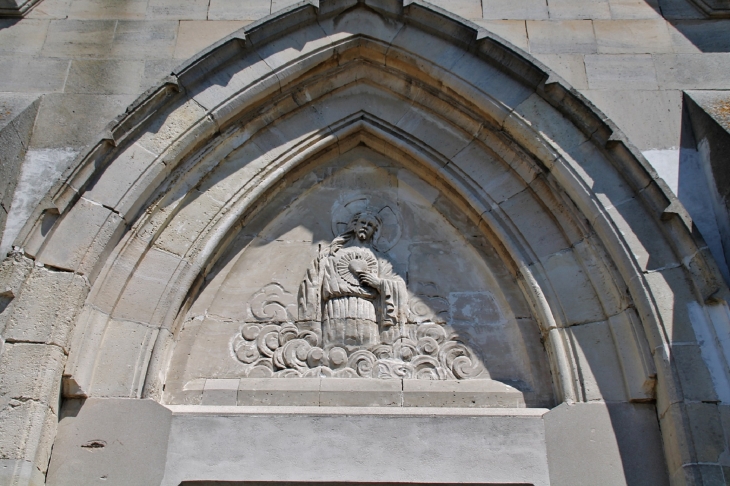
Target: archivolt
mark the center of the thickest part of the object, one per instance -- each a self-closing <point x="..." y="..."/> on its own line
<point x="146" y="212"/>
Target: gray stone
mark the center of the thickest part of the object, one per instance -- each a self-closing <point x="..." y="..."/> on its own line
<point x="514" y="31"/>
<point x="329" y="446"/>
<point x="578" y="9"/>
<point x="469" y="9"/>
<point x="235" y="10"/>
<point x="75" y="120"/>
<point x="144" y="39"/>
<point x="174" y="10"/>
<point x="344" y="392"/>
<point x="515" y="9"/>
<point x="108" y="9"/>
<point x="631" y="71"/>
<point x="634" y="9"/>
<point x="196" y="35"/>
<point x="468" y="393"/>
<point x="277" y="392"/>
<point x="112" y="441"/>
<point x="621" y="444"/>
<point x="570" y="67"/>
<point x="702" y="35"/>
<point x="562" y="36"/>
<point x="25" y="37"/>
<point x="25" y="75"/>
<point x="104" y="77"/>
<point x="79" y="38"/>
<point x="632" y="36"/>
<point x="690" y="71"/>
<point x="650" y="119"/>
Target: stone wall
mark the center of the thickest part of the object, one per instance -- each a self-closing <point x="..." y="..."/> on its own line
<point x="588" y="243"/>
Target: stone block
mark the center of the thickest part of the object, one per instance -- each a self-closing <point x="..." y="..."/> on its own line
<point x="650" y="119"/>
<point x="155" y="71"/>
<point x="621" y="71"/>
<point x="597" y="362"/>
<point x="112" y="441"/>
<point x="75" y="120"/>
<point x="122" y="179"/>
<point x="32" y="75"/>
<point x="104" y="77"/>
<point x="195" y="35"/>
<point x="275" y="391"/>
<point x="466" y="393"/>
<point x="49" y="10"/>
<point x="620" y="443"/>
<point x="22" y="471"/>
<point x="142" y="294"/>
<point x="538" y="229"/>
<point x="632" y="36"/>
<point x="79" y="38"/>
<point x="561" y="36"/>
<point x="175" y="10"/>
<point x="700" y="36"/>
<point x="634" y="356"/>
<point x="137" y="39"/>
<point x="578" y="9"/>
<point x="220" y="391"/>
<point x="480" y="165"/>
<point x="673" y="296"/>
<point x="514" y="31"/>
<point x="706" y="427"/>
<point x="81" y="236"/>
<point x="277" y="5"/>
<point x="416" y="448"/>
<point x="468" y="9"/>
<point x="22" y="425"/>
<point x="108" y="9"/>
<point x="634" y="9"/>
<point x="515" y="9"/>
<point x="360" y="392"/>
<point x="692" y="71"/>
<point x="235" y="10"/>
<point x="122" y="358"/>
<point x="578" y="299"/>
<point x="22" y="38"/>
<point x="570" y="67"/>
<point x="30" y="372"/>
<point x="36" y="318"/>
<point x="693" y="373"/>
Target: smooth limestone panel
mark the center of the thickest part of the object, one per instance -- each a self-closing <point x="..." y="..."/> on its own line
<point x="346" y="444"/>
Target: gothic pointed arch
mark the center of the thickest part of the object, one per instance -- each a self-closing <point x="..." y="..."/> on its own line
<point x="591" y="261"/>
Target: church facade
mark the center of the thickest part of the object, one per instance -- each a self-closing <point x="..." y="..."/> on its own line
<point x="364" y="241"/>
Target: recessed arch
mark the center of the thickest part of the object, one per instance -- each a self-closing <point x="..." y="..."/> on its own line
<point x="581" y="222"/>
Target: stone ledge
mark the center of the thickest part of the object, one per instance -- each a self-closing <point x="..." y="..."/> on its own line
<point x="202" y="410"/>
<point x="17" y="8"/>
<point x="360" y="392"/>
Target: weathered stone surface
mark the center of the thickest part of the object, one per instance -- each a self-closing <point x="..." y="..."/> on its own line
<point x="632" y="36"/>
<point x="233" y="10"/>
<point x="562" y="36"/>
<point x="115" y="441"/>
<point x="577" y="9"/>
<point x="79" y="38"/>
<point x="195" y="35"/>
<point x="515" y="9"/>
<point x="33" y="75"/>
<point x="37" y="319"/>
<point x="76" y="119"/>
<point x="242" y="446"/>
<point x="634" y="71"/>
<point x="104" y="77"/>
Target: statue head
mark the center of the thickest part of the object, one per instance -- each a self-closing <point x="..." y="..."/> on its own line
<point x="365" y="226"/>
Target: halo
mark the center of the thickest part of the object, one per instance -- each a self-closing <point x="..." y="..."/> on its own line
<point x="389" y="233"/>
<point x="350" y="263"/>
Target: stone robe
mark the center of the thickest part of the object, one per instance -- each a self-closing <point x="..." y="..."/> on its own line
<point x="351" y="314"/>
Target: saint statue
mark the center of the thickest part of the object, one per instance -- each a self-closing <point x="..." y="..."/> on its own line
<point x="352" y="291"/>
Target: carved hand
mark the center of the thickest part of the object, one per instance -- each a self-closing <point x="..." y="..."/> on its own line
<point x="370" y="280"/>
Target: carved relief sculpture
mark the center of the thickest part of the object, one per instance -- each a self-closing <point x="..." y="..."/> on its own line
<point x="353" y="318"/>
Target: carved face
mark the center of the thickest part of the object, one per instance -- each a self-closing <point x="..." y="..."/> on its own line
<point x="364" y="226"/>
